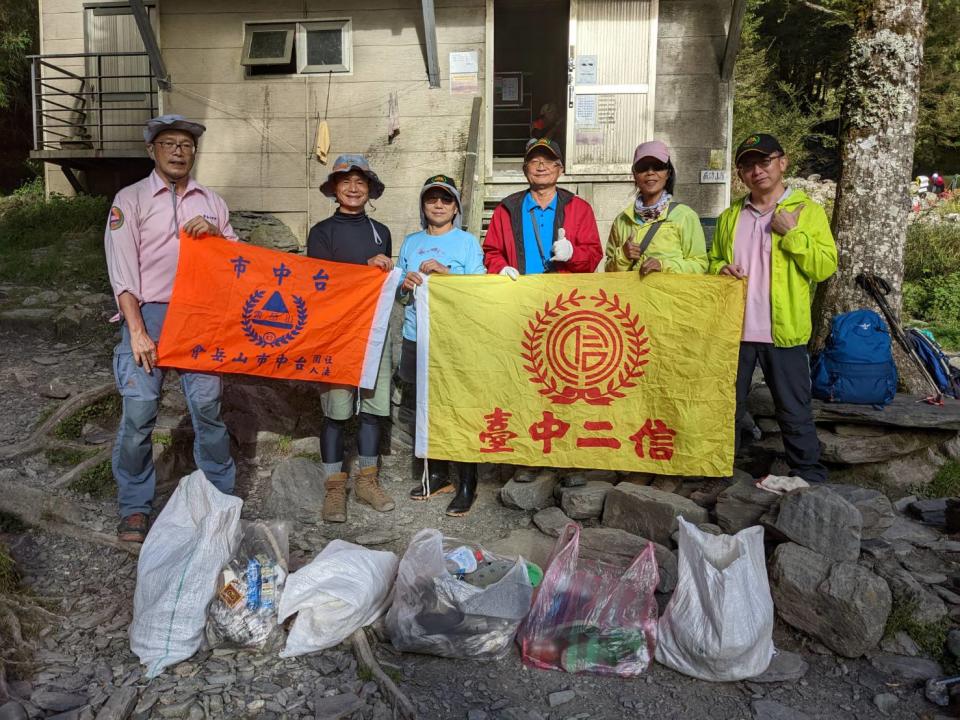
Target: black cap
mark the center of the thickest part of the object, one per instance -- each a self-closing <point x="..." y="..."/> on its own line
<point x="758" y="143"/>
<point x="543" y="143"/>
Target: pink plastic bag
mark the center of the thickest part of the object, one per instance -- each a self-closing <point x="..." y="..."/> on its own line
<point x="591" y="616"/>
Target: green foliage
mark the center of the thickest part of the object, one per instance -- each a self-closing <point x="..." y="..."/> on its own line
<point x="18" y="36"/>
<point x="9" y="578"/>
<point x="764" y="102"/>
<point x="97" y="482"/>
<point x="54" y="243"/>
<point x="946" y="483"/>
<point x="67" y="457"/>
<point x="938" y="133"/>
<point x="284" y="442"/>
<point x="932" y="249"/>
<point x="931" y="638"/>
<point x="313" y="457"/>
<point x="104" y="408"/>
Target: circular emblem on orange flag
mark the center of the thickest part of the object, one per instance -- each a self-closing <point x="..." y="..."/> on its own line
<point x="581" y="348"/>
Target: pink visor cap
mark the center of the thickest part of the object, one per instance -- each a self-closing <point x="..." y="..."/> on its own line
<point x="654" y="149"/>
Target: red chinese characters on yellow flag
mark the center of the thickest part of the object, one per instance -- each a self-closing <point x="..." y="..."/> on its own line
<point x="239" y="308"/>
<point x="604" y="370"/>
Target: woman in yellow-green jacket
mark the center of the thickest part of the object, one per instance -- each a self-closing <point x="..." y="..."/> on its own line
<point x="656" y="233"/>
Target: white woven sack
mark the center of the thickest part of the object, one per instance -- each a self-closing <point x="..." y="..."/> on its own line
<point x="195" y="534"/>
<point x="719" y="623"/>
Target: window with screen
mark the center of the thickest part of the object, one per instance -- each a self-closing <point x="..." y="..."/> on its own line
<point x="297" y="47"/>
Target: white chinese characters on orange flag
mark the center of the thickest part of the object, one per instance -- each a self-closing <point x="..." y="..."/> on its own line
<point x="604" y="370"/>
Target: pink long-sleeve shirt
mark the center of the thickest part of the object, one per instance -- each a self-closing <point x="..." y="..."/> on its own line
<point x="142" y="239"/>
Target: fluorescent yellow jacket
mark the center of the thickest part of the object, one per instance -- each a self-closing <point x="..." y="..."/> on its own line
<point x="798" y="261"/>
<point x="678" y="245"/>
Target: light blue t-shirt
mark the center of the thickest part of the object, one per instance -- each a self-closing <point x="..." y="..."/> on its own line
<point x="457" y="249"/>
<point x="533" y="254"/>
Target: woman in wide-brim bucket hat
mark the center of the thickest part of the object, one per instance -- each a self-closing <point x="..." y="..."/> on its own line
<point x="346" y="163"/>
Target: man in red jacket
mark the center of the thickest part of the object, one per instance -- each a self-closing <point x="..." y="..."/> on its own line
<point x="540" y="230"/>
<point x="545" y="228"/>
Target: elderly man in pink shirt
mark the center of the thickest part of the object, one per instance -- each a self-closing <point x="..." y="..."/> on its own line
<point x="142" y="243"/>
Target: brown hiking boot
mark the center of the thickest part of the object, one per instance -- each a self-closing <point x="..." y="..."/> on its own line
<point x="367" y="490"/>
<point x="133" y="528"/>
<point x="335" y="498"/>
<point x="706" y="495"/>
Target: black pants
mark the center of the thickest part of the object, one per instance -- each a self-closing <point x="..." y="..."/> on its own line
<point x="787" y="374"/>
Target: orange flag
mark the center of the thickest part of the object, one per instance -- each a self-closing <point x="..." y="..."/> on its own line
<point x="238" y="308"/>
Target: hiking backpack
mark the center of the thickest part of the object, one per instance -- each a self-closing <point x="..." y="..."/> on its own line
<point x="944" y="375"/>
<point x="856" y="366"/>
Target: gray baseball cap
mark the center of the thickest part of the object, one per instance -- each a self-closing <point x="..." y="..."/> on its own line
<point x="157" y="125"/>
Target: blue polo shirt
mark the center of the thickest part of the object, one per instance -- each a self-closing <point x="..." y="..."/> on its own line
<point x="545" y="218"/>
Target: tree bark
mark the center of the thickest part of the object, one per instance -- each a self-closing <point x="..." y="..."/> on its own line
<point x="879" y="121"/>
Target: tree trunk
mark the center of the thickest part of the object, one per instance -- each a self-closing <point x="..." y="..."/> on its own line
<point x="879" y="121"/>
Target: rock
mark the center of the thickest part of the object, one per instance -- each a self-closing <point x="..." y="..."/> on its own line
<point x="12" y="710"/>
<point x="57" y="701"/>
<point x="946" y="595"/>
<point x="821" y="520"/>
<point x="119" y="705"/>
<point x="901" y="473"/>
<point x="876" y="512"/>
<point x="900" y="643"/>
<point x="903" y="503"/>
<point x="843" y="605"/>
<point x="610" y="543"/>
<point x="305" y="446"/>
<point x="95" y="435"/>
<point x="885" y="702"/>
<point x="930" y="512"/>
<point x="585" y="502"/>
<point x="375" y="537"/>
<point x="475" y="714"/>
<point x="785" y="666"/>
<point x="39" y="321"/>
<point x="953" y="642"/>
<point x="560" y="697"/>
<point x="57" y="389"/>
<point x="534" y="495"/>
<point x="911" y="531"/>
<point x="856" y="450"/>
<point x="296" y="485"/>
<point x="927" y="606"/>
<point x="336" y="706"/>
<point x="851" y="430"/>
<point x="277" y="237"/>
<point x="532" y="544"/>
<point x="742" y="505"/>
<point x="772" y="710"/>
<point x="902" y="667"/>
<point x="648" y="512"/>
<point x="253" y="405"/>
<point x="551" y="521"/>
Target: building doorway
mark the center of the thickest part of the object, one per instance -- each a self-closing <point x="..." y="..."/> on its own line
<point x="529" y="77"/>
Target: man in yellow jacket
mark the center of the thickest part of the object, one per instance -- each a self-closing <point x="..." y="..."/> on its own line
<point x="780" y="241"/>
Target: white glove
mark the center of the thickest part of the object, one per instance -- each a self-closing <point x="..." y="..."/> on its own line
<point x="510" y="272"/>
<point x="562" y="250"/>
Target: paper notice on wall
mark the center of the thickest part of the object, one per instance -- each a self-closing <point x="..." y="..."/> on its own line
<point x="464" y="62"/>
<point x="586" y="70"/>
<point x="607" y="110"/>
<point x="585" y="111"/>
<point x="589" y="137"/>
<point x="464" y="83"/>
<point x="511" y="90"/>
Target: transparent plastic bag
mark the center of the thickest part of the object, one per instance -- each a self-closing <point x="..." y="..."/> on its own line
<point x="590" y="616"/>
<point x="194" y="535"/>
<point x="472" y="615"/>
<point x="244" y="612"/>
<point x="719" y="623"/>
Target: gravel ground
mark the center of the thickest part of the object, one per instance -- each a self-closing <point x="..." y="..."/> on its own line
<point x="84" y="667"/>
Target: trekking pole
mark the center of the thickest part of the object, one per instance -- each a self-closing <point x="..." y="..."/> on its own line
<point x="878" y="288"/>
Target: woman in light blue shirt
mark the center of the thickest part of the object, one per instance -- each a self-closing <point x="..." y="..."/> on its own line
<point x="441" y="247"/>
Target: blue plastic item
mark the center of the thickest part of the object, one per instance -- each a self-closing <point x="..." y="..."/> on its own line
<point x="856" y="366"/>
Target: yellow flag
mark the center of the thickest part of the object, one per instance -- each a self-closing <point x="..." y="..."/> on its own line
<point x="604" y="370"/>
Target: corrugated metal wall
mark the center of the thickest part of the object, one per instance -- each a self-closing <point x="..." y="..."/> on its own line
<point x="621" y="35"/>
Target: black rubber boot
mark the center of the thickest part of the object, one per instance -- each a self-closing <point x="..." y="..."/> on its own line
<point x="438" y="481"/>
<point x="466" y="490"/>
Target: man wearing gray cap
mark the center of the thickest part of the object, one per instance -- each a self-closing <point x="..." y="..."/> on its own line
<point x="142" y="243"/>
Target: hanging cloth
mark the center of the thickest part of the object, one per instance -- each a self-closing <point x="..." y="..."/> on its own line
<point x="321" y="144"/>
